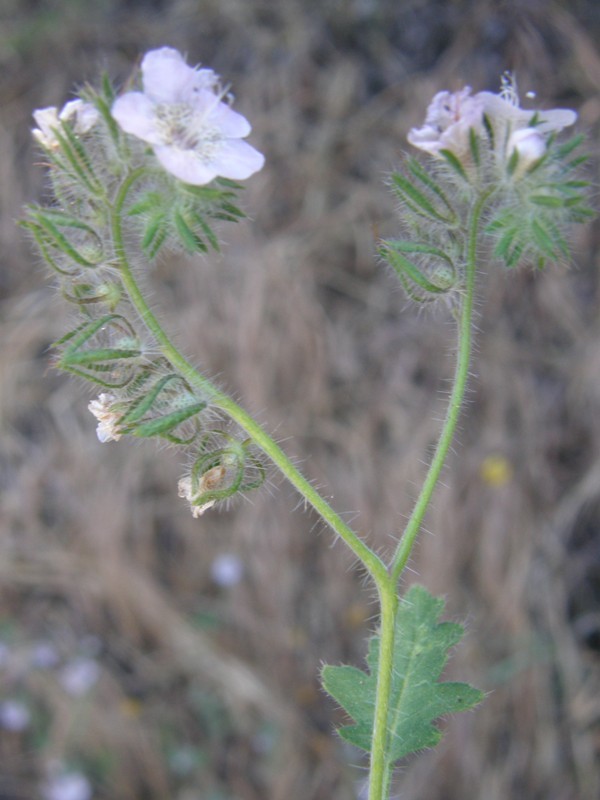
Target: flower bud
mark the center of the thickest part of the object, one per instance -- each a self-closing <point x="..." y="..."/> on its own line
<point x="530" y="146"/>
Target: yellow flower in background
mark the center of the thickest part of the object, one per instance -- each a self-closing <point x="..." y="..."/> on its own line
<point x="496" y="470"/>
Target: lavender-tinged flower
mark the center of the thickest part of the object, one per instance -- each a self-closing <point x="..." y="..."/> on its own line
<point x="78" y="677"/>
<point x="44" y="655"/>
<point x="81" y="115"/>
<point x="227" y="570"/>
<point x="181" y="113"/>
<point x="108" y="419"/>
<point x="14" y="716"/>
<point x="68" y="786"/>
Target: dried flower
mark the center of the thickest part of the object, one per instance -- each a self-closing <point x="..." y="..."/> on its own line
<point x="184" y="489"/>
<point x="181" y="113"/>
<point x="81" y="115"/>
<point x="108" y="419"/>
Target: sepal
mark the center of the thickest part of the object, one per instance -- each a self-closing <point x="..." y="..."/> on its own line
<point x="105" y="351"/>
<point x="163" y="409"/>
<point x="422" y="284"/>
<point x="182" y="214"/>
<point x="220" y="472"/>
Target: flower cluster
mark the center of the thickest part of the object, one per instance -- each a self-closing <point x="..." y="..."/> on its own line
<point x="80" y="115"/>
<point x="194" y="134"/>
<point x="117" y="205"/>
<point x="453" y="117"/>
<point x="493" y="159"/>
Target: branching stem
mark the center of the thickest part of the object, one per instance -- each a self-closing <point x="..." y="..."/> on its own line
<point x="380" y="775"/>
<point x="386" y="578"/>
<point x="372" y="563"/>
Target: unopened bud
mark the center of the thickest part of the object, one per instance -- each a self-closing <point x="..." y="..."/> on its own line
<point x="530" y="146"/>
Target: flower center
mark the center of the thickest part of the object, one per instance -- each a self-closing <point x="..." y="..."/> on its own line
<point x="183" y="127"/>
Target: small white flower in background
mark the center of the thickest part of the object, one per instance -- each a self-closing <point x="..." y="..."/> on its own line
<point x="227" y="570"/>
<point x="44" y="655"/>
<point x="14" y="716"/>
<point x="449" y="118"/>
<point x="194" y="134"/>
<point x="78" y="677"/>
<point x="108" y="419"/>
<point x="82" y="116"/>
<point x="184" y="489"/>
<point x="68" y="786"/>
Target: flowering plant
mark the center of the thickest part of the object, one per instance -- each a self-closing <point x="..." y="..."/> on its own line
<point x="151" y="169"/>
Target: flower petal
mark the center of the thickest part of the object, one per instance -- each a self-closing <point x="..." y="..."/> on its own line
<point x="168" y="79"/>
<point x="237" y="160"/>
<point x="135" y="113"/>
<point x="231" y="124"/>
<point x="555" y="120"/>
<point x="186" y="165"/>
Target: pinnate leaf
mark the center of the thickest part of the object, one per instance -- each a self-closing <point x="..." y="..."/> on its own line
<point x="418" y="699"/>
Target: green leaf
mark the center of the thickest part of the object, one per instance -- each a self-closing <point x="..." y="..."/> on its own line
<point x="474" y="147"/>
<point x="57" y="240"/>
<point x="168" y="422"/>
<point x="415" y="198"/>
<point x="418" y="699"/>
<point x="421" y="174"/>
<point x="187" y="235"/>
<point x="454" y="163"/>
<point x="406" y="269"/>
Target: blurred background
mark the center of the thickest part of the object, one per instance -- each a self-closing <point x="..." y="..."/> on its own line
<point x="145" y="654"/>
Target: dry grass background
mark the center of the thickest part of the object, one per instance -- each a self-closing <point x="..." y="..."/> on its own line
<point x="212" y="693"/>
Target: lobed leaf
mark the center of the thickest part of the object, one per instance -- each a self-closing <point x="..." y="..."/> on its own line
<point x="418" y="699"/>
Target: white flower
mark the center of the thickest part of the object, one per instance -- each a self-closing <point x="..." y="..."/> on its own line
<point x="449" y="118"/>
<point x="523" y="130"/>
<point x="82" y="117"/>
<point x="184" y="489"/>
<point x="227" y="570"/>
<point x="108" y="418"/>
<point x="194" y="135"/>
<point x="68" y="786"/>
<point x="529" y="143"/>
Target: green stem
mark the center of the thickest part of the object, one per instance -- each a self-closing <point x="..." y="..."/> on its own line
<point x="368" y="558"/>
<point x="380" y="768"/>
<point x="465" y="324"/>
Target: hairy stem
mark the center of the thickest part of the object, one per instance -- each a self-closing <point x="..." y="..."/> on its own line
<point x="373" y="564"/>
<point x="465" y="325"/>
<point x="381" y="769"/>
